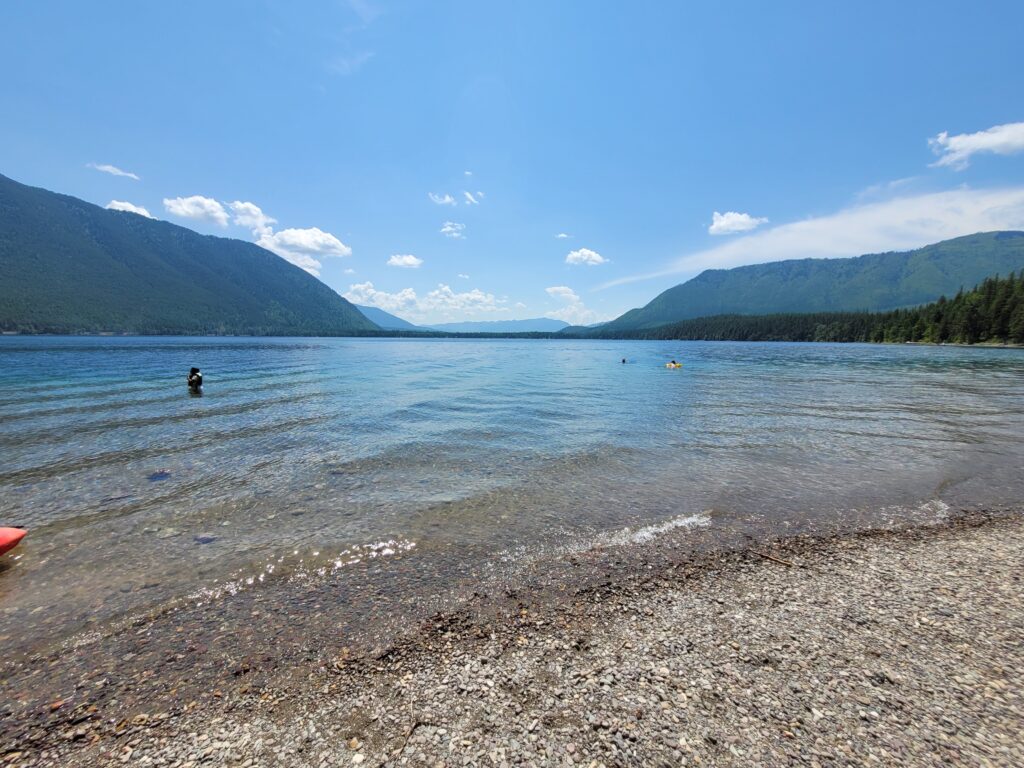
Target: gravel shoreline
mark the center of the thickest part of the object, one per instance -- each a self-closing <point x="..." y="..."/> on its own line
<point x="896" y="647"/>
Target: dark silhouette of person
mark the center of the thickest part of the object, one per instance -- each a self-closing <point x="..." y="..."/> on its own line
<point x="195" y="381"/>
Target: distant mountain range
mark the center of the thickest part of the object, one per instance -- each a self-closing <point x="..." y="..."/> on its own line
<point x="390" y="322"/>
<point x="67" y="266"/>
<point x="536" y="325"/>
<point x="874" y="283"/>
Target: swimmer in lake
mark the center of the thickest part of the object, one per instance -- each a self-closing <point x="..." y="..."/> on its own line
<point x="195" y="380"/>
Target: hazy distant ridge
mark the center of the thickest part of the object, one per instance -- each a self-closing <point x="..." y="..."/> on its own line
<point x="539" y="324"/>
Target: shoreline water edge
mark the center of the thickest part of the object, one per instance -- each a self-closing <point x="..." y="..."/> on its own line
<point x="885" y="644"/>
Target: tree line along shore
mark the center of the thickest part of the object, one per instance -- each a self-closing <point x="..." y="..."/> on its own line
<point x="990" y="313"/>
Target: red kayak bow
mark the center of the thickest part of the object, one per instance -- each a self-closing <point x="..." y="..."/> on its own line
<point x="9" y="538"/>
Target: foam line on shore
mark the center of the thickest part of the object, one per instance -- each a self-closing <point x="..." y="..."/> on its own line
<point x="651" y="532"/>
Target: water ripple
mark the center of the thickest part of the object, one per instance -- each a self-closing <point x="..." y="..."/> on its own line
<point x="470" y="448"/>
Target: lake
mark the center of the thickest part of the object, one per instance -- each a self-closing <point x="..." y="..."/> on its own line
<point x="321" y="456"/>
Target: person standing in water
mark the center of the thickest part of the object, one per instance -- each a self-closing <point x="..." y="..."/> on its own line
<point x="195" y="380"/>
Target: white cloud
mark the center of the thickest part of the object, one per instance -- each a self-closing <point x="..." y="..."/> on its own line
<point x="562" y="292"/>
<point x="444" y="299"/>
<point x="304" y="247"/>
<point x="197" y="207"/>
<point x="406" y="260"/>
<point x="349" y="271"/>
<point x="463" y="276"/>
<point x="453" y="230"/>
<point x="438" y="305"/>
<point x="585" y="256"/>
<point x="955" y="151"/>
<point x="572" y="310"/>
<point x="562" y="236"/>
<point x="113" y="170"/>
<point x="731" y="222"/>
<point x="251" y="216"/>
<point x="470" y="200"/>
<point x="467" y="173"/>
<point x="444" y="199"/>
<point x="364" y="293"/>
<point x="121" y="205"/>
<point x="901" y="223"/>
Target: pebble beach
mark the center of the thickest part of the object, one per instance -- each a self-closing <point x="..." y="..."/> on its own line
<point x="866" y="648"/>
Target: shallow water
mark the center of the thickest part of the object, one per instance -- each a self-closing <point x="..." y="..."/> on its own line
<point x="326" y="454"/>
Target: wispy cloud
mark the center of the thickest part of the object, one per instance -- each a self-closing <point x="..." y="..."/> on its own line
<point x="562" y="292"/>
<point x="585" y="256"/>
<point x="730" y="222"/>
<point x="463" y="276"/>
<point x="442" y="303"/>
<point x="444" y="199"/>
<point x="900" y="223"/>
<point x="349" y="64"/>
<point x="406" y="260"/>
<point x="467" y="173"/>
<point x="888" y="189"/>
<point x="470" y="200"/>
<point x="572" y="309"/>
<point x="562" y="236"/>
<point x="453" y="230"/>
<point x="956" y="151"/>
<point x="366" y="12"/>
<point x="121" y="205"/>
<point x="198" y="208"/>
<point x="113" y="170"/>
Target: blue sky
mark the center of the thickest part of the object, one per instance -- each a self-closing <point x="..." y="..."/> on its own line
<point x="322" y="130"/>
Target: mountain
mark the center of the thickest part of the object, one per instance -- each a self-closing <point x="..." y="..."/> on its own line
<point x="874" y="283"/>
<point x="67" y="266"/>
<point x="386" y="320"/>
<point x="539" y="324"/>
<point x="991" y="313"/>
